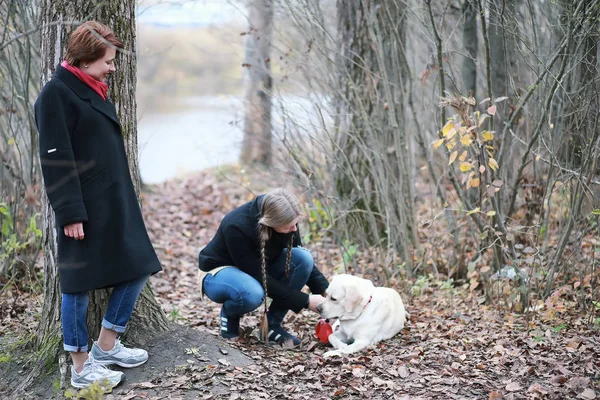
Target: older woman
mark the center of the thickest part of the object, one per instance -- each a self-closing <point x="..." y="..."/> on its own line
<point x="102" y="239"/>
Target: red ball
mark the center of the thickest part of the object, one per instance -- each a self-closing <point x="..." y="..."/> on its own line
<point x="323" y="330"/>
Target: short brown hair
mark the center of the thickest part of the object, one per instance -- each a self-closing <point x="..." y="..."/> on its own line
<point x="89" y="42"/>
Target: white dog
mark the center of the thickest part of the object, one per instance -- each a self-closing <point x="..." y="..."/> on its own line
<point x="366" y="314"/>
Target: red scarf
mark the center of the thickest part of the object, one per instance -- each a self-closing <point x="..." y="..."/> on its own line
<point x="99" y="87"/>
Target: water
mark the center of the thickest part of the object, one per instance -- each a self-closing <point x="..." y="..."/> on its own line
<point x="206" y="133"/>
<point x="188" y="13"/>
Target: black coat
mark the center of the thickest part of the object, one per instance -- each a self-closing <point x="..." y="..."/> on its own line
<point x="237" y="244"/>
<point x="87" y="180"/>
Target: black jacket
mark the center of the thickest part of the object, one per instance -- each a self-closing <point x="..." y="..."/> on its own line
<point x="87" y="180"/>
<point x="237" y="244"/>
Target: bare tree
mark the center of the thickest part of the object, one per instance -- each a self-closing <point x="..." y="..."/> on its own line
<point x="256" y="145"/>
<point x="373" y="153"/>
<point x="20" y="238"/>
<point x="502" y="45"/>
<point x="470" y="43"/>
<point x="533" y="138"/>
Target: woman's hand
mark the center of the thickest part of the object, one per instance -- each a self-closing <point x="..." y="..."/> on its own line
<point x="74" y="230"/>
<point x="314" y="300"/>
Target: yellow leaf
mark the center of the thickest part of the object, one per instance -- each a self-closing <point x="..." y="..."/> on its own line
<point x="487" y="136"/>
<point x="438" y="143"/>
<point x="450" y="145"/>
<point x="466" y="140"/>
<point x="452" y="157"/>
<point x="11" y="141"/>
<point x="491" y="213"/>
<point x="447" y="128"/>
<point x="492" y="110"/>
<point x="493" y="164"/>
<point x="463" y="156"/>
<point x="466" y="166"/>
<point x="475" y="182"/>
<point x="476" y="210"/>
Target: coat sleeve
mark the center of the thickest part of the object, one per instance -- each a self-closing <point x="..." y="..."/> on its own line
<point x="246" y="257"/>
<point x="61" y="178"/>
<point x="317" y="283"/>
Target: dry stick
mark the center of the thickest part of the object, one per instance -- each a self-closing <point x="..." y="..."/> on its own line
<point x="498" y="218"/>
<point x="421" y="142"/>
<point x="577" y="200"/>
<point x="33" y="30"/>
<point x="474" y="216"/>
<point x="576" y="207"/>
<point x="6" y="23"/>
<point x="372" y="26"/>
<point x="402" y="140"/>
<point x="537" y="132"/>
<point x="363" y="149"/>
<point x="20" y="169"/>
<point x="529" y="93"/>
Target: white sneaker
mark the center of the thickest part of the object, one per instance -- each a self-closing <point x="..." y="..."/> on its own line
<point x="119" y="355"/>
<point x="94" y="372"/>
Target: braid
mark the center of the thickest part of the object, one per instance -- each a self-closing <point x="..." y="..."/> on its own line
<point x="288" y="259"/>
<point x="279" y="208"/>
<point x="264" y="325"/>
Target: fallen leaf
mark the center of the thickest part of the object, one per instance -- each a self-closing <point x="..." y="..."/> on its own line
<point x="403" y="371"/>
<point x="588" y="394"/>
<point x="578" y="382"/>
<point x="513" y="387"/>
<point x="495" y="396"/>
<point x="558" y="380"/>
<point x="146" y="385"/>
<point x="537" y="388"/>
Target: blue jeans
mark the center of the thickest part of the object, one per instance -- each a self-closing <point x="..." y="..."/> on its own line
<point x="120" y="306"/>
<point x="240" y="293"/>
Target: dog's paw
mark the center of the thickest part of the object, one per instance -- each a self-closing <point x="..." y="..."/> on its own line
<point x="332" y="353"/>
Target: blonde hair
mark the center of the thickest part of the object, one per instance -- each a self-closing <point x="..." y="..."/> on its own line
<point x="279" y="208"/>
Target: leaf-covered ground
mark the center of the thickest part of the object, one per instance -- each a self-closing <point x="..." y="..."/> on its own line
<point x="454" y="347"/>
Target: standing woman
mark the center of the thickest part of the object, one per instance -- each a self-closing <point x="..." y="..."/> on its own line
<point x="256" y="253"/>
<point x="102" y="239"/>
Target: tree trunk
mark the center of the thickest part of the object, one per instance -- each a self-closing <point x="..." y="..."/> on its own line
<point x="256" y="145"/>
<point x="470" y="38"/>
<point x="148" y="318"/>
<point x="502" y="46"/>
<point x="374" y="161"/>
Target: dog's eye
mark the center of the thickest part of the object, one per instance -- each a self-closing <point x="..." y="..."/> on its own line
<point x="333" y="299"/>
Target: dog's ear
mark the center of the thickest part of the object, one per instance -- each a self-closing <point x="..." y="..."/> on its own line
<point x="357" y="292"/>
<point x="353" y="298"/>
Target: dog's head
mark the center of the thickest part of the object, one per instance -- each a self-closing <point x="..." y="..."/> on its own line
<point x="346" y="297"/>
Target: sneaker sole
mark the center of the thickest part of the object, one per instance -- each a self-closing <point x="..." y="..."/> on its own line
<point x="84" y="385"/>
<point x="120" y="364"/>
